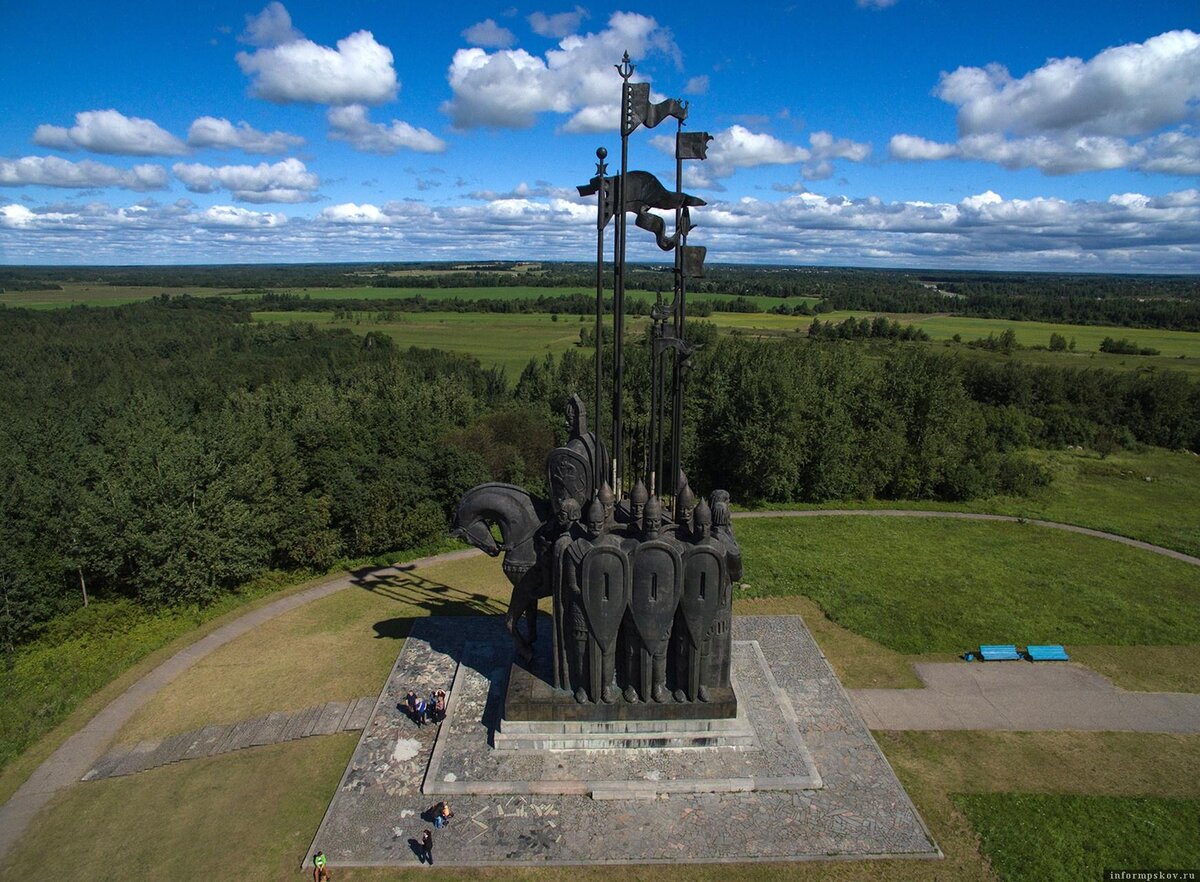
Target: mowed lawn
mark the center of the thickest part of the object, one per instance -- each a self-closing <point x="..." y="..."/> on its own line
<point x="947" y="586"/>
<point x="257" y="809"/>
<point x="1148" y="494"/>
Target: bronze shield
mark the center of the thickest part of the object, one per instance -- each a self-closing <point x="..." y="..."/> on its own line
<point x="570" y="475"/>
<point x="703" y="576"/>
<point x="657" y="574"/>
<point x="604" y="578"/>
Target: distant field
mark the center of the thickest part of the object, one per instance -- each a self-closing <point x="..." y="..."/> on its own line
<point x="98" y="295"/>
<point x="508" y="340"/>
<point x="944" y="327"/>
<point x="115" y="295"/>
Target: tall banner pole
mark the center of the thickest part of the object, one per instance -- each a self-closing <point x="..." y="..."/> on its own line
<point x="625" y="69"/>
<point x="598" y="466"/>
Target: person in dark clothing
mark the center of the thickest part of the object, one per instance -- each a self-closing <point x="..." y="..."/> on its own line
<point x="427" y="846"/>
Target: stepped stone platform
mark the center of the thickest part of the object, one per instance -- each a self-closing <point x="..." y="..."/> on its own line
<point x="795" y="776"/>
<point x="321" y="719"/>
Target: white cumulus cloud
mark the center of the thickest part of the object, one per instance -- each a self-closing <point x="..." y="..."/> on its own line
<point x="358" y="71"/>
<point x="350" y="213"/>
<point x="509" y="88"/>
<point x="350" y="124"/>
<point x="489" y="35"/>
<point x="1126" y="90"/>
<point x="51" y="171"/>
<point x="1130" y="106"/>
<point x="208" y="131"/>
<point x="285" y="181"/>
<point x="232" y="216"/>
<point x="110" y="131"/>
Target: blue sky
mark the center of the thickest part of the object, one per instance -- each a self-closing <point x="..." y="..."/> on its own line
<point x="1048" y="135"/>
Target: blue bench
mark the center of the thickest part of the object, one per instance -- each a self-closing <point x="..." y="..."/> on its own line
<point x="999" y="652"/>
<point x="1046" y="653"/>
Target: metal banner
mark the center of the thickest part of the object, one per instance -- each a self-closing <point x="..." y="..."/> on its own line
<point x="692" y="145"/>
<point x="693" y="260"/>
<point x="605" y="583"/>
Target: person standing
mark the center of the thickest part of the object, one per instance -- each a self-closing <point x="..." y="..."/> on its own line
<point x="320" y="874"/>
<point x="427" y="846"/>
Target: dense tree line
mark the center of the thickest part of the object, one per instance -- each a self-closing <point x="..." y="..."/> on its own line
<point x="168" y="450"/>
<point x="567" y="304"/>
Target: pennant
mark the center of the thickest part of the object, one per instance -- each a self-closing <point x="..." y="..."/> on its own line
<point x="643" y="190"/>
<point x="607" y="188"/>
<point x="656" y="225"/>
<point x="693" y="261"/>
<point x="692" y="145"/>
<point x="638" y="110"/>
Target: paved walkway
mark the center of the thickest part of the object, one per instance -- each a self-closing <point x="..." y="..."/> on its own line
<point x="80" y="752"/>
<point x="1026" y="697"/>
<point x="320" y="719"/>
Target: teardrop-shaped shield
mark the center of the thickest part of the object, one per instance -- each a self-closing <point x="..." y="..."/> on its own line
<point x="703" y="576"/>
<point x="657" y="576"/>
<point x="604" y="578"/>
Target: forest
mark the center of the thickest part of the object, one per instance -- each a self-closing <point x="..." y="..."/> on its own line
<point x="168" y="451"/>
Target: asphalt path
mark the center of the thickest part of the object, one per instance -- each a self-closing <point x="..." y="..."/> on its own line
<point x="81" y="751"/>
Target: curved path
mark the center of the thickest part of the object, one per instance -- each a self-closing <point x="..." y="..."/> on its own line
<point x="79" y="752"/>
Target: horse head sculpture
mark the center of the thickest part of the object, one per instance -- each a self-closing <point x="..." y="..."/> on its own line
<point x="519" y="516"/>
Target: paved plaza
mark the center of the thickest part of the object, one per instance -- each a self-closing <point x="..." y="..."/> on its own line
<point x="802" y="779"/>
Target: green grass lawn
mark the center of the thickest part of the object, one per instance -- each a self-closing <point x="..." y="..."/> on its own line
<point x="1148" y="494"/>
<point x="1052" y="838"/>
<point x="948" y="586"/>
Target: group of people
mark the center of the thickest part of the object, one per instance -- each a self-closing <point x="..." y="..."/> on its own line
<point x="431" y="709"/>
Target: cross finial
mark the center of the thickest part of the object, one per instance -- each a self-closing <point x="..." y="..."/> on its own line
<point x="601" y="165"/>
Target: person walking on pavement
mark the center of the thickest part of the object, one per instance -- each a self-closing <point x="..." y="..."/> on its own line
<point x="427" y="846"/>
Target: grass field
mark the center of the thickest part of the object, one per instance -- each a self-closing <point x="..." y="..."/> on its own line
<point x="506" y="340"/>
<point x="73" y="294"/>
<point x="511" y="340"/>
<point x="948" y="586"/>
<point x="1081" y="836"/>
<point x="943" y="327"/>
<point x="1149" y="495"/>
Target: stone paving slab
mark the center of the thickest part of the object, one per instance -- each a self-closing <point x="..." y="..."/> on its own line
<point x="215" y="740"/>
<point x="360" y="713"/>
<point x="330" y="718"/>
<point x="860" y="810"/>
<point x="1024" y="697"/>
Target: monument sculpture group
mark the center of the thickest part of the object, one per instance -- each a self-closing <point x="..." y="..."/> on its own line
<point x="639" y="568"/>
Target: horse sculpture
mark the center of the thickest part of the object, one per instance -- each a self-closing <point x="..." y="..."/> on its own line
<point x="521" y="519"/>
